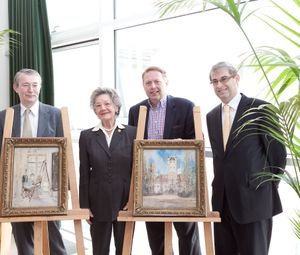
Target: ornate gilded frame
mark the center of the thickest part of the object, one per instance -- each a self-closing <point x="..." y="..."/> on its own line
<point x="34" y="178"/>
<point x="169" y="178"/>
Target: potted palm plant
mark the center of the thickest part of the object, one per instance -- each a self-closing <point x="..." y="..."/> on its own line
<point x="281" y="119"/>
<point x="5" y="38"/>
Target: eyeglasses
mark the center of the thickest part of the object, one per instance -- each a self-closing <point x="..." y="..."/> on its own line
<point x="223" y="80"/>
<point x="33" y="85"/>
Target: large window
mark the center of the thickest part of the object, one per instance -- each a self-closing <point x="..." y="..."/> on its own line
<point x="74" y="27"/>
<point x="133" y="8"/>
<point x="70" y="14"/>
<point x="76" y="73"/>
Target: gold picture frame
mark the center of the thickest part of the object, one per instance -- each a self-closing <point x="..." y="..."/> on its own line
<point x="34" y="178"/>
<point x="169" y="178"/>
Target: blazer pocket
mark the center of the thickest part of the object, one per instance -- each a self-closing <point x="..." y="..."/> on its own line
<point x="177" y="131"/>
<point x="255" y="181"/>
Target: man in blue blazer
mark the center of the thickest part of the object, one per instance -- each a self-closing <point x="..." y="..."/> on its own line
<point x="245" y="204"/>
<point x="45" y="121"/>
<point x="167" y="118"/>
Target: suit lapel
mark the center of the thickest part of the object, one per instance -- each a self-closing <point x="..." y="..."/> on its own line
<point x="101" y="140"/>
<point x="116" y="138"/>
<point x="217" y="130"/>
<point x="147" y="119"/>
<point x="242" y="107"/>
<point x="16" y="129"/>
<point x="170" y="116"/>
<point x="43" y="121"/>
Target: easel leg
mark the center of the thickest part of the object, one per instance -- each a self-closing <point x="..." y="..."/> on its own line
<point x="127" y="243"/>
<point x="38" y="225"/>
<point x="79" y="237"/>
<point x="168" y="238"/>
<point x="45" y="237"/>
<point x="5" y="238"/>
<point x="208" y="238"/>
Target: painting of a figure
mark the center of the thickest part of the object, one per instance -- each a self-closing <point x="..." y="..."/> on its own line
<point x="34" y="180"/>
<point x="32" y="183"/>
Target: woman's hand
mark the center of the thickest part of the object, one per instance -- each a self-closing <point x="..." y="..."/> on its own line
<point x="90" y="220"/>
<point x="125" y="208"/>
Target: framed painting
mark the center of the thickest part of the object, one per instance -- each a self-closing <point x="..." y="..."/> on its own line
<point x="169" y="178"/>
<point x="34" y="178"/>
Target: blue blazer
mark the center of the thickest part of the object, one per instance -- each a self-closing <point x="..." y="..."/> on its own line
<point x="179" y="122"/>
<point x="235" y="168"/>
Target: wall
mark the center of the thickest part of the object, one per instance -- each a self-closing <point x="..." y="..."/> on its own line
<point x="4" y="60"/>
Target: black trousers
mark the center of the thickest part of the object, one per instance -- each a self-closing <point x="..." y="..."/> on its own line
<point x="232" y="238"/>
<point x="188" y="237"/>
<point x="24" y="235"/>
<point x="101" y="236"/>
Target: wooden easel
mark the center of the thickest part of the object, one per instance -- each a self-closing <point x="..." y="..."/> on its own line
<point x="41" y="239"/>
<point x="130" y="220"/>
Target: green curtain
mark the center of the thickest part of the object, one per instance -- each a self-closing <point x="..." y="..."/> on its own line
<point x="29" y="18"/>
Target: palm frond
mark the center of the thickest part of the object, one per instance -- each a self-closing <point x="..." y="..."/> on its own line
<point x="278" y="123"/>
<point x="296" y="224"/>
<point x="297" y="2"/>
<point x="171" y="6"/>
<point x="287" y="29"/>
<point x="287" y="13"/>
<point x="275" y="60"/>
<point x="267" y="176"/>
<point x="10" y="37"/>
<point x="283" y="28"/>
<point x="234" y="10"/>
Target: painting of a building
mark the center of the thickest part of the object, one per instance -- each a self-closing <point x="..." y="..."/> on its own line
<point x="175" y="177"/>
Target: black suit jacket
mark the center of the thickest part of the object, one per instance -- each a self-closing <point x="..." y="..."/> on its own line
<point x="179" y="122"/>
<point x="235" y="169"/>
<point x="105" y="172"/>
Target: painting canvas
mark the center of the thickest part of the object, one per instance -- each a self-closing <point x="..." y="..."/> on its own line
<point x="34" y="176"/>
<point x="169" y="178"/>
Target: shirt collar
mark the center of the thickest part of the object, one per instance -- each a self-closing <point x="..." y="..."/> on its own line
<point x="100" y="127"/>
<point x="162" y="103"/>
<point x="234" y="101"/>
<point x="34" y="109"/>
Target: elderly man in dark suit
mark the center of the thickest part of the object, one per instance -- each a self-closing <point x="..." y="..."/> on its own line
<point x="167" y="118"/>
<point x="246" y="207"/>
<point x="45" y="121"/>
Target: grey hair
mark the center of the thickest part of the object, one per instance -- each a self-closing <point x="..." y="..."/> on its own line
<point x="231" y="69"/>
<point x="112" y="93"/>
<point x="155" y="68"/>
<point x="26" y="71"/>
